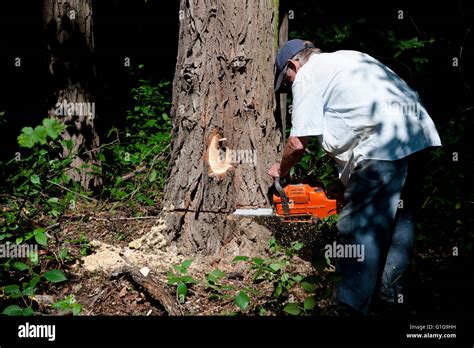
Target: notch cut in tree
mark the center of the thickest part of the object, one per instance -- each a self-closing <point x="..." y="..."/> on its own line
<point x="223" y="88"/>
<point x="217" y="159"/>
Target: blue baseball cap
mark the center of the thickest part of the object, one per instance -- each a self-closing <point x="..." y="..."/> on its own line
<point x="288" y="50"/>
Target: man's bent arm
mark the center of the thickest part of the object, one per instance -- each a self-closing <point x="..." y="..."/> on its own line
<point x="292" y="154"/>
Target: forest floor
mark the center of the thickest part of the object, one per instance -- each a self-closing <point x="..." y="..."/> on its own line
<point x="108" y="278"/>
<point x="98" y="245"/>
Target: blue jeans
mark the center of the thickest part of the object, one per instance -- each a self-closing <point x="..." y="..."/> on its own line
<point x="375" y="217"/>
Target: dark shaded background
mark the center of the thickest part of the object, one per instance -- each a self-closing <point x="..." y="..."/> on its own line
<point x="147" y="33"/>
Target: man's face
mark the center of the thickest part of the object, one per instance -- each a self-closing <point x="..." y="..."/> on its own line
<point x="291" y="70"/>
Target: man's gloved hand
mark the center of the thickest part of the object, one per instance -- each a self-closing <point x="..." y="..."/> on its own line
<point x="274" y="171"/>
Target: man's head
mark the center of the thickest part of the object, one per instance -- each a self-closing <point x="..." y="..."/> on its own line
<point x="290" y="57"/>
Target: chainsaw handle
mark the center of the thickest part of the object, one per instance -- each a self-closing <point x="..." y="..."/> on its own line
<point x="284" y="198"/>
<point x="278" y="186"/>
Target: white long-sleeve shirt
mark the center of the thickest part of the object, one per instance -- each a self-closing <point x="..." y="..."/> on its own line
<point x="359" y="109"/>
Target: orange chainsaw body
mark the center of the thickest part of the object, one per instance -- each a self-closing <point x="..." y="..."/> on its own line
<point x="306" y="204"/>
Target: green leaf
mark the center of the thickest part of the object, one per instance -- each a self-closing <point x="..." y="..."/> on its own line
<point x="29" y="235"/>
<point x="308" y="287"/>
<point x="40" y="237"/>
<point x="172" y="279"/>
<point x="28" y="311"/>
<point x="55" y="276"/>
<point x="309" y="303"/>
<point x="34" y="258"/>
<point x="297" y="246"/>
<point x="40" y="134"/>
<point x="273" y="245"/>
<point x="275" y="266"/>
<point x="76" y="309"/>
<point x="152" y="176"/>
<point x="217" y="273"/>
<point x="242" y="300"/>
<point x="53" y="200"/>
<point x="12" y="310"/>
<point x="257" y="261"/>
<point x="292" y="308"/>
<point x="186" y="263"/>
<point x="53" y="127"/>
<point x="181" y="292"/>
<point x="28" y="291"/>
<point x="21" y="266"/>
<point x="298" y="278"/>
<point x="188" y="280"/>
<point x="35" y="179"/>
<point x="26" y="138"/>
<point x="240" y="258"/>
<point x="69" y="145"/>
<point x="63" y="253"/>
<point x="278" y="291"/>
<point x="12" y="291"/>
<point x="6" y="235"/>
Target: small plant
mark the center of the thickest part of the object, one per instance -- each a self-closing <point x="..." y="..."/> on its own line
<point x="30" y="279"/>
<point x="242" y="300"/>
<point x="140" y="151"/>
<point x="213" y="283"/>
<point x="68" y="304"/>
<point x="273" y="270"/>
<point x="36" y="187"/>
<point x="83" y="243"/>
<point x="179" y="277"/>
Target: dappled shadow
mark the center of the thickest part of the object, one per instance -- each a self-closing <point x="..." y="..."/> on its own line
<point x="394" y="115"/>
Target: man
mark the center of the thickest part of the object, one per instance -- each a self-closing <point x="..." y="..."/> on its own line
<point x="375" y="127"/>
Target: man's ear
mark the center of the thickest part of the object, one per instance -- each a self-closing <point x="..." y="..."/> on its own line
<point x="294" y="65"/>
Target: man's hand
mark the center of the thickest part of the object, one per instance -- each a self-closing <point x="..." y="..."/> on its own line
<point x="292" y="153"/>
<point x="274" y="171"/>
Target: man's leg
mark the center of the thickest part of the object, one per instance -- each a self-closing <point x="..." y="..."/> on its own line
<point x="398" y="255"/>
<point x="404" y="231"/>
<point x="367" y="219"/>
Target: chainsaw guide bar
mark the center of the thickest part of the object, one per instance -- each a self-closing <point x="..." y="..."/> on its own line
<point x="295" y="203"/>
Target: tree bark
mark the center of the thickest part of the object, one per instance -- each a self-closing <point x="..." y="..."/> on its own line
<point x="223" y="104"/>
<point x="70" y="39"/>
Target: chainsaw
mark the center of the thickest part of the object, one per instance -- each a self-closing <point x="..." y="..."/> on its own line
<point x="296" y="203"/>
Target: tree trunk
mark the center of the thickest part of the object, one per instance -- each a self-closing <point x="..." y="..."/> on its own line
<point x="69" y="35"/>
<point x="224" y="136"/>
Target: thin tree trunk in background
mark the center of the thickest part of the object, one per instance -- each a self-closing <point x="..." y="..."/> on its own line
<point x="70" y="38"/>
<point x="223" y="100"/>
